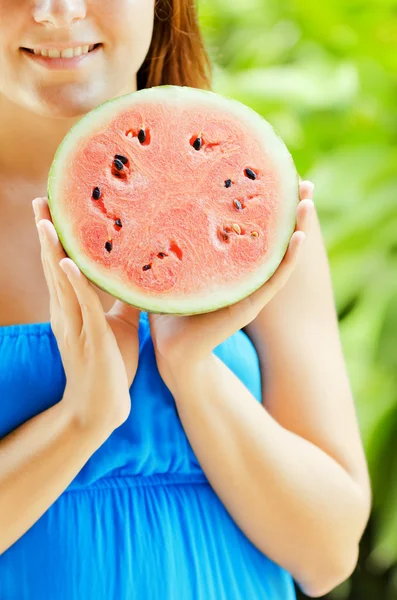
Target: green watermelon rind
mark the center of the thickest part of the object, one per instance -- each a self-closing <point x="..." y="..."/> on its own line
<point x="97" y="118"/>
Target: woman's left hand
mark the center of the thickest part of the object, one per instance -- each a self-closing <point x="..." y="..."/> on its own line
<point x="180" y="340"/>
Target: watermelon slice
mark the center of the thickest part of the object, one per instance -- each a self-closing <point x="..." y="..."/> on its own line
<point x="173" y="199"/>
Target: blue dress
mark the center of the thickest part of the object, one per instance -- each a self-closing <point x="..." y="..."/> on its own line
<point x="140" y="521"/>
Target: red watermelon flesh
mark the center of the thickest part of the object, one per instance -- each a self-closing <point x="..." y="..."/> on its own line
<point x="173" y="199"/>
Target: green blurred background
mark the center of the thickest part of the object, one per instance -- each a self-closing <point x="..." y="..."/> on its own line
<point x="325" y="75"/>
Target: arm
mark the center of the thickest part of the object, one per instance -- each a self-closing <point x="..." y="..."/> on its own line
<point x="292" y="472"/>
<point x="99" y="351"/>
<point x="38" y="460"/>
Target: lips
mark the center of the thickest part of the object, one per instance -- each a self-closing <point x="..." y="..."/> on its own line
<point x="69" y="52"/>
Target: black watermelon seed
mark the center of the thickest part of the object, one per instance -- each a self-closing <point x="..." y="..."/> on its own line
<point x="228" y="183"/>
<point x="123" y="159"/>
<point x="118" y="164"/>
<point x="146" y="267"/>
<point x="197" y="143"/>
<point x="118" y="223"/>
<point x="142" y="136"/>
<point x="96" y="193"/>
<point x="250" y="173"/>
<point x="238" y="204"/>
<point x="161" y="254"/>
<point x="109" y="246"/>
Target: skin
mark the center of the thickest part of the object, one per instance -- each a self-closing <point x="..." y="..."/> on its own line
<point x="38" y="106"/>
<point x="291" y="471"/>
<point x="124" y="29"/>
<point x="291" y="319"/>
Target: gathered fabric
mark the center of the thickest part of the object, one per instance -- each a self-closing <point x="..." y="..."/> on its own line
<point x="140" y="521"/>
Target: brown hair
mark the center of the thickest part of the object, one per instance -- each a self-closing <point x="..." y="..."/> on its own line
<point x="177" y="54"/>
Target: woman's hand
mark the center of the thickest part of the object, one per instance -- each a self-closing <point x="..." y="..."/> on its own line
<point x="99" y="351"/>
<point x="193" y="338"/>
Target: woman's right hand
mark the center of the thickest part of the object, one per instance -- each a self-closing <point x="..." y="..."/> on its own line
<point x="99" y="350"/>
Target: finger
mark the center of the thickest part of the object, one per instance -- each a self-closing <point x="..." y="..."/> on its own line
<point x="66" y="304"/>
<point x="52" y="252"/>
<point x="306" y="189"/>
<point x="41" y="209"/>
<point x="304" y="215"/>
<point x="95" y="325"/>
<point x="49" y="277"/>
<point x="290" y="259"/>
<point x="219" y="320"/>
<point x="54" y="247"/>
<point x="40" y="214"/>
<point x="246" y="310"/>
<point x="266" y="292"/>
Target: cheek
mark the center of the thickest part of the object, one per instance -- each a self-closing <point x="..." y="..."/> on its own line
<point x="127" y="22"/>
<point x="128" y="31"/>
<point x="14" y="25"/>
<point x="127" y="26"/>
<point x="124" y="26"/>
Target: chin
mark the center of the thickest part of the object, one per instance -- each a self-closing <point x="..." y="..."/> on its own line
<point x="68" y="102"/>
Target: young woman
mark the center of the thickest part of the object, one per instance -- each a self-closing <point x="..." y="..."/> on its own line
<point x="230" y="462"/>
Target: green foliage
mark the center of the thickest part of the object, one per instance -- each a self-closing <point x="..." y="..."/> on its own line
<point x="325" y="75"/>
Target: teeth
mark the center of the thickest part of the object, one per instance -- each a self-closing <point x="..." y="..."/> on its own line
<point x="67" y="53"/>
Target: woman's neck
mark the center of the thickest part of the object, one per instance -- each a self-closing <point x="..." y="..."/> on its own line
<point x="28" y="141"/>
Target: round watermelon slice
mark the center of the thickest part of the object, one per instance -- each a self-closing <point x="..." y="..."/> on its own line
<point x="173" y="199"/>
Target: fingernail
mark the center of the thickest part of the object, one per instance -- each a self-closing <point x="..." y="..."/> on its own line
<point x="34" y="204"/>
<point x="310" y="185"/>
<point x="69" y="268"/>
<point x="64" y="267"/>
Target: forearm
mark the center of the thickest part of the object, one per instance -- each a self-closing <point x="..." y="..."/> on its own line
<point x="291" y="499"/>
<point x="38" y="460"/>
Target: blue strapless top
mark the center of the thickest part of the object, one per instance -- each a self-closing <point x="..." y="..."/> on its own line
<point x="140" y="521"/>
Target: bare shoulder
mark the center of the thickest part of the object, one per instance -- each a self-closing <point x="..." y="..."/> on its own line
<point x="306" y="386"/>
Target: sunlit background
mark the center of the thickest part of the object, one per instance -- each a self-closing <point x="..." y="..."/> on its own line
<point x="324" y="73"/>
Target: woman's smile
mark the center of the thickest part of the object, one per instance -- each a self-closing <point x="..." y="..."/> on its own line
<point x="62" y="58"/>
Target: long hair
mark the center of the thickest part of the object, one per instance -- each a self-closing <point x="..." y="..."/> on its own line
<point x="177" y="54"/>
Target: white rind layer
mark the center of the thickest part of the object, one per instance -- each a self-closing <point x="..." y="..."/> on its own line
<point x="273" y="145"/>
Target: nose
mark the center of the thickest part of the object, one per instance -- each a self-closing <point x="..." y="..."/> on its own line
<point x="59" y="13"/>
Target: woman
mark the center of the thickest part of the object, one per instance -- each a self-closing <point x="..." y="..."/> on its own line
<point x="230" y="462"/>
